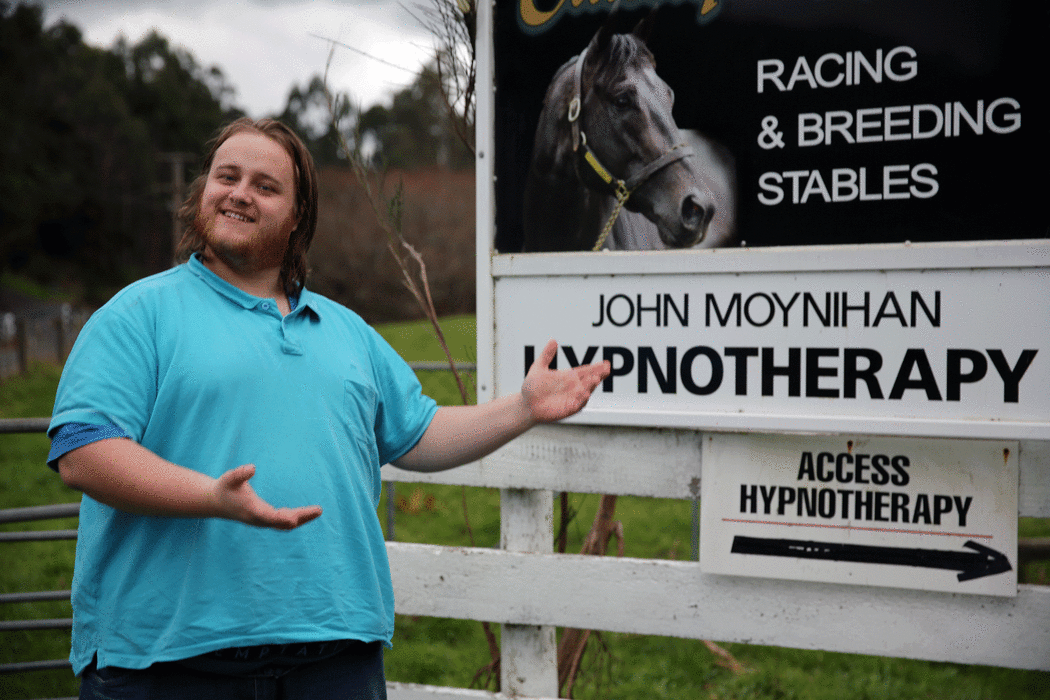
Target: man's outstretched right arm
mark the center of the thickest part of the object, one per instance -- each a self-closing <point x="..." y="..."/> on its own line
<point x="124" y="475"/>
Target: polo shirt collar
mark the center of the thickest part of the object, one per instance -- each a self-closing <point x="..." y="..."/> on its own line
<point x="307" y="299"/>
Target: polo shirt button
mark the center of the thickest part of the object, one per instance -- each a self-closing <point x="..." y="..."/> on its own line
<point x="266" y="306"/>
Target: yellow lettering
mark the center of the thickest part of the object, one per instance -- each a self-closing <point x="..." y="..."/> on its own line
<point x="533" y="17"/>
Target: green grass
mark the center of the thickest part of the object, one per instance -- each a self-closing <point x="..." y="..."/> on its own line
<point x="29" y="288"/>
<point x="416" y="342"/>
<point x="1036" y="571"/>
<point x="450" y="652"/>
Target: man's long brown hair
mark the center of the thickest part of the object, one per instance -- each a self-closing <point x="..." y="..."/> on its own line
<point x="293" y="268"/>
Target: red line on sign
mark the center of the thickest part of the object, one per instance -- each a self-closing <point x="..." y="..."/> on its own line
<point x="851" y="527"/>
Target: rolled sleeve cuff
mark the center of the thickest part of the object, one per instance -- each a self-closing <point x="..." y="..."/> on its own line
<point x="70" y="436"/>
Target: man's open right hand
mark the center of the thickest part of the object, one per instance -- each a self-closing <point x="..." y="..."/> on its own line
<point x="237" y="500"/>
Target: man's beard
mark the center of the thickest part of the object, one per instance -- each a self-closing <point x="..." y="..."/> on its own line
<point x="244" y="256"/>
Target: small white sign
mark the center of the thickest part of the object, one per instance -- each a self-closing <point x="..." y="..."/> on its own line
<point x="927" y="514"/>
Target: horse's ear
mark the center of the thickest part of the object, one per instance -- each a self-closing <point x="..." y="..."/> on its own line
<point x="644" y="28"/>
<point x="598" y="45"/>
<point x="601" y="38"/>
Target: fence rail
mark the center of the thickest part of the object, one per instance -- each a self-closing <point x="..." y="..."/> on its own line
<point x="34" y="514"/>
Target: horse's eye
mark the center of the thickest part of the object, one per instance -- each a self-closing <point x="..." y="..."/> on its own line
<point x="622" y="101"/>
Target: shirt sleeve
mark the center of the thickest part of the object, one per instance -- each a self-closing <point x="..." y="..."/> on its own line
<point x="110" y="377"/>
<point x="70" y="436"/>
<point x="403" y="412"/>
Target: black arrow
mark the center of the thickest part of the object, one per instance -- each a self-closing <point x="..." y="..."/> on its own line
<point x="983" y="561"/>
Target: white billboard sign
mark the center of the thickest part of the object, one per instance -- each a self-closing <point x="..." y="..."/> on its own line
<point x="907" y="513"/>
<point x="949" y="351"/>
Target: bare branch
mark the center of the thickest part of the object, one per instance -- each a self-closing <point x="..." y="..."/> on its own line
<point x="454" y="25"/>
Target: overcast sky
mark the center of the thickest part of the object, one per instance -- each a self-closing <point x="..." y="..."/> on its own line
<point x="265" y="46"/>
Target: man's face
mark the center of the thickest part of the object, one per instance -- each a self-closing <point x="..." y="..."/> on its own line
<point x="247" y="208"/>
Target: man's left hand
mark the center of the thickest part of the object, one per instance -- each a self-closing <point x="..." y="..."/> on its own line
<point x="551" y="395"/>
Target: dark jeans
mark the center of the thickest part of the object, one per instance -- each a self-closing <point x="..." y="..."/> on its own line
<point x="353" y="674"/>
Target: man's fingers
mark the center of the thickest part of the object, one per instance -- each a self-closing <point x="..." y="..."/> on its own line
<point x="601" y="370"/>
<point x="291" y="518"/>
<point x="548" y="353"/>
<point x="306" y="514"/>
<point x="287" y="518"/>
<point x="242" y="503"/>
<point x="592" y="375"/>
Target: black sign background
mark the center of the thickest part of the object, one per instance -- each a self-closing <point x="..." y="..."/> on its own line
<point x="991" y="186"/>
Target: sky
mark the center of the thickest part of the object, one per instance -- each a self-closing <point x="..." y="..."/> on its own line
<point x="264" y="47"/>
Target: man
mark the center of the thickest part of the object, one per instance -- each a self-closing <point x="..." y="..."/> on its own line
<point x="220" y="395"/>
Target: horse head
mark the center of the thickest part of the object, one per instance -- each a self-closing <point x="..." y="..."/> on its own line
<point x="628" y="140"/>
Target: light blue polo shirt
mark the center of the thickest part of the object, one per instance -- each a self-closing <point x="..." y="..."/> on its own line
<point x="210" y="378"/>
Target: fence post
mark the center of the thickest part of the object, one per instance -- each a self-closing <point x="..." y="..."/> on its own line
<point x="391" y="510"/>
<point x="60" y="338"/>
<point x="528" y="654"/>
<point x="22" y="338"/>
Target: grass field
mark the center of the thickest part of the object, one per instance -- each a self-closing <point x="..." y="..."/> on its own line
<point x="449" y="652"/>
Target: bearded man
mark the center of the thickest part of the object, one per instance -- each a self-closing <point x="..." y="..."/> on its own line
<point x="227" y="427"/>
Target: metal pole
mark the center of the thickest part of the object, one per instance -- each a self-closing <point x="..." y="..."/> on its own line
<point x="696" y="530"/>
<point x="22" y="334"/>
<point x="391" y="510"/>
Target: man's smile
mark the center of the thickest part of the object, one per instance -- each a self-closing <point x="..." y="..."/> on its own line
<point x="237" y="217"/>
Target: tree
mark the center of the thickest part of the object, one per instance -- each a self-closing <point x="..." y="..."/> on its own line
<point x="307" y="111"/>
<point x="453" y="23"/>
<point x="83" y="132"/>
<point x="181" y="102"/>
<point x="416" y="129"/>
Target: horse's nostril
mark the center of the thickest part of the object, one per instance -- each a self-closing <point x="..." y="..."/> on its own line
<point x="693" y="213"/>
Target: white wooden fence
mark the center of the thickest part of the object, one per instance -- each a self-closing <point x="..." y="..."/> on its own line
<point x="530" y="590"/>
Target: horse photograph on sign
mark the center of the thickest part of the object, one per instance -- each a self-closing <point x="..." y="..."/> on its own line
<point x="610" y="168"/>
<point x="683" y="124"/>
